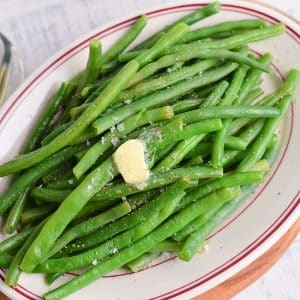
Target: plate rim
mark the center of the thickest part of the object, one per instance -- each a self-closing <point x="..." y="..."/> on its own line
<point x="81" y="43"/>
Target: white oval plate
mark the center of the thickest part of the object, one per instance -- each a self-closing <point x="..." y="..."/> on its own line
<point x="253" y="227"/>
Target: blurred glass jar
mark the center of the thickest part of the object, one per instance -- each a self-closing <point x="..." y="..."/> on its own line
<point x="7" y="52"/>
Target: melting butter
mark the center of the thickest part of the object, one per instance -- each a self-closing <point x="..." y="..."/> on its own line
<point x="130" y="161"/>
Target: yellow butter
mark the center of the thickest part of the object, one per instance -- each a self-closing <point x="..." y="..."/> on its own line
<point x="130" y="161"/>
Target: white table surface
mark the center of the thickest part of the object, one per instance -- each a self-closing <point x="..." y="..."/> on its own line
<point x="39" y="28"/>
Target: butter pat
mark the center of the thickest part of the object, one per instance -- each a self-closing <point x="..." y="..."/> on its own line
<point x="129" y="159"/>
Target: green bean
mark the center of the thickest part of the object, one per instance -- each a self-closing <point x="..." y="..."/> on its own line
<point x="253" y="95"/>
<point x="228" y="111"/>
<point x="36" y="214"/>
<point x="5" y="260"/>
<point x="54" y="133"/>
<point x="90" y="74"/>
<point x="14" y="241"/>
<point x="49" y="194"/>
<point x="140" y="247"/>
<point x="159" y="154"/>
<point x="186" y="105"/>
<point x="125" y="40"/>
<point x="110" y="67"/>
<point x="162" y="97"/>
<point x="238" y="57"/>
<point x="236" y="143"/>
<point x="140" y="262"/>
<point x="205" y="91"/>
<point x="194" y="161"/>
<point x="14" y="215"/>
<point x="228" y="26"/>
<point x="173" y="132"/>
<point x="147" y="86"/>
<point x="62" y="184"/>
<point x="51" y="277"/>
<point x="61" y="172"/>
<point x="258" y="148"/>
<point x="14" y="270"/>
<point x="47" y="116"/>
<point x="190" y="19"/>
<point x="121" y="130"/>
<point x="66" y="212"/>
<point x="29" y="178"/>
<point x="234" y="179"/>
<point x="230" y="95"/>
<point x="197" y="223"/>
<point x="88" y="226"/>
<point x="234" y="41"/>
<point x="144" y="260"/>
<point x="157" y="179"/>
<point x="288" y="88"/>
<point x="164" y="206"/>
<point x="203" y="149"/>
<point x="172" y="36"/>
<point x="215" y="96"/>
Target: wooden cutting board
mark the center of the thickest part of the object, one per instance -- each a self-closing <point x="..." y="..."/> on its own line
<point x="247" y="276"/>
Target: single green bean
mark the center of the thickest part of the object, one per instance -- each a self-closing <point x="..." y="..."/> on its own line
<point x="14" y="241"/>
<point x="159" y="138"/>
<point x="229" y="111"/>
<point x="229" y="26"/>
<point x="89" y="75"/>
<point x="62" y="172"/>
<point x="186" y="105"/>
<point x="14" y="270"/>
<point x="47" y="116"/>
<point x="144" y="260"/>
<point x="15" y="213"/>
<point x="36" y="214"/>
<point x="62" y="184"/>
<point x="125" y="40"/>
<point x="5" y="260"/>
<point x="49" y="194"/>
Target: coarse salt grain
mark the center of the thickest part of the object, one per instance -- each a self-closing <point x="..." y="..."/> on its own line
<point x="94" y="262"/>
<point x="128" y="101"/>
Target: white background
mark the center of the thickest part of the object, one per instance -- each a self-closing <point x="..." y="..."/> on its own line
<point x="39" y="28"/>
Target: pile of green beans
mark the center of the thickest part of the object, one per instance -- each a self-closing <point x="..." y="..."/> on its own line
<point x="193" y="99"/>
